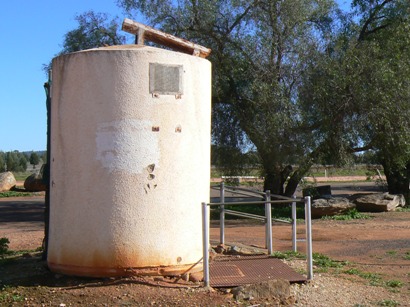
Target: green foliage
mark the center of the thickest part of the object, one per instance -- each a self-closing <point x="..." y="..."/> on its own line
<point x="394" y="284"/>
<point x="13" y="161"/>
<point x="34" y="159"/>
<point x="259" y="52"/>
<point x="357" y="95"/>
<point x="94" y="30"/>
<point x="288" y="255"/>
<point x="325" y="262"/>
<point x="2" y="162"/>
<point x="4" y="246"/>
<point x="15" y="194"/>
<point x="11" y="297"/>
<point x="407" y="256"/>
<point x="374" y="278"/>
<point x="389" y="303"/>
<point x="352" y="214"/>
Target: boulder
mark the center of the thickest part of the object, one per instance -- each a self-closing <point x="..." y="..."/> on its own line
<point x="7" y="181"/>
<point x="330" y="206"/>
<point x="379" y="202"/>
<point x="278" y="288"/>
<point x="34" y="183"/>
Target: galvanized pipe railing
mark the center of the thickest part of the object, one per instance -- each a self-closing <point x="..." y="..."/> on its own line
<point x="268" y="212"/>
<point x="268" y="203"/>
<point x="268" y="224"/>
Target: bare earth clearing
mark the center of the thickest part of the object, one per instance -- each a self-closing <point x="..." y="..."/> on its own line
<point x="377" y="272"/>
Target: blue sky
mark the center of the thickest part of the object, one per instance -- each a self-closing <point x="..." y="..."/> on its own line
<point x="31" y="34"/>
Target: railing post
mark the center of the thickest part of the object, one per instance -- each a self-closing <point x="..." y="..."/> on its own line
<point x="222" y="215"/>
<point x="294" y="230"/>
<point x="205" y="243"/>
<point x="268" y="230"/>
<point x="308" y="222"/>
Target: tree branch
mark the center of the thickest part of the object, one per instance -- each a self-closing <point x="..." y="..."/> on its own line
<point x="373" y="15"/>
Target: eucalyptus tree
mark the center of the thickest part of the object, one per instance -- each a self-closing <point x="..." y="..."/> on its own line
<point x="361" y="90"/>
<point x="94" y="30"/>
<point x="260" y="49"/>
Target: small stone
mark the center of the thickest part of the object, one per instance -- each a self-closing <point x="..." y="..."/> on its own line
<point x="278" y="288"/>
<point x="196" y="277"/>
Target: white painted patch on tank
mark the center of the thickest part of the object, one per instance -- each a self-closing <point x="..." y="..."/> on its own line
<point x="117" y="141"/>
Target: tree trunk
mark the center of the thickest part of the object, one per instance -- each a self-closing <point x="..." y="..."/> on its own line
<point x="273" y="182"/>
<point x="398" y="180"/>
<point x="276" y="178"/>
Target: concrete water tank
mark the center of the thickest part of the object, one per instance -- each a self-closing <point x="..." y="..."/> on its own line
<point x="130" y="161"/>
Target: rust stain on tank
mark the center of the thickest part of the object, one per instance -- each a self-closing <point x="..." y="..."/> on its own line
<point x="123" y="264"/>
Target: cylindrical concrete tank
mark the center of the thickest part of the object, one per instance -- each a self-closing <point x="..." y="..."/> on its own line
<point x="130" y="161"/>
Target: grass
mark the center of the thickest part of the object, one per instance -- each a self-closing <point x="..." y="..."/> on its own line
<point x="374" y="279"/>
<point x="352" y="214"/>
<point x="6" y="253"/>
<point x="324" y="262"/>
<point x="391" y="253"/>
<point x="407" y="256"/>
<point x="391" y="303"/>
<point x="5" y="295"/>
<point x="403" y="209"/>
<point x="21" y="176"/>
<point x="394" y="283"/>
<point x="15" y="194"/>
<point x="288" y="255"/>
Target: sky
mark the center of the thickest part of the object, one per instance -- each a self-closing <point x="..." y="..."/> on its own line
<point x="31" y="34"/>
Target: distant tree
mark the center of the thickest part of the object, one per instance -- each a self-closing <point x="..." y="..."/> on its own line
<point x="2" y="162"/>
<point x="44" y="157"/>
<point x="12" y="161"/>
<point x="34" y="159"/>
<point x="22" y="163"/>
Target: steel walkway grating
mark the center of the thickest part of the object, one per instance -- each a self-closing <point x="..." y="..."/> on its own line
<point x="234" y="271"/>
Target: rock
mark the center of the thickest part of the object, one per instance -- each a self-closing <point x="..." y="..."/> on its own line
<point x="379" y="202"/>
<point x="278" y="288"/>
<point x="220" y="249"/>
<point x="7" y="181"/>
<point x="196" y="277"/>
<point x="332" y="206"/>
<point x="241" y="249"/>
<point x="34" y="183"/>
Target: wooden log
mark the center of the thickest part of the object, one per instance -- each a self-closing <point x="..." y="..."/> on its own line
<point x="179" y="44"/>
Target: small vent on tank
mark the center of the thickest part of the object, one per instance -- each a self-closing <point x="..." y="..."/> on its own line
<point x="165" y="79"/>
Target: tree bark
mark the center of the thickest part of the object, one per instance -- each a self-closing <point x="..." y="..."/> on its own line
<point x="398" y="180"/>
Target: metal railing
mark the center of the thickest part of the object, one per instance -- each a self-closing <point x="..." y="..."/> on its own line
<point x="267" y="219"/>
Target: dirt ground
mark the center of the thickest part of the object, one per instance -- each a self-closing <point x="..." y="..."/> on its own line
<point x="377" y="251"/>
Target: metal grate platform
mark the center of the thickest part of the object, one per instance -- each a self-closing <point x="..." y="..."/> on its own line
<point x="235" y="271"/>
